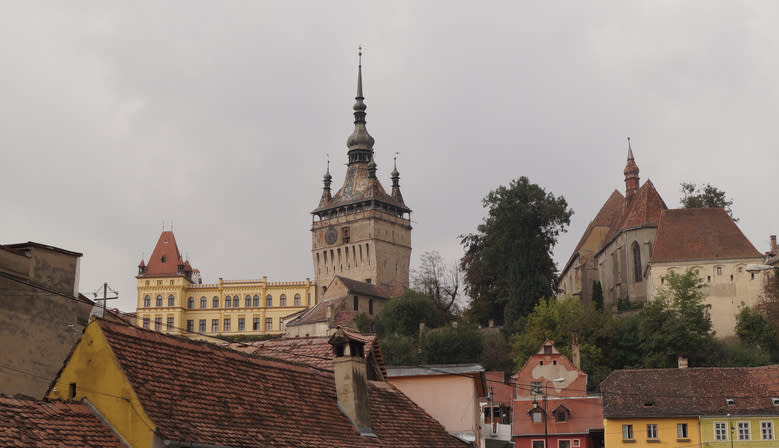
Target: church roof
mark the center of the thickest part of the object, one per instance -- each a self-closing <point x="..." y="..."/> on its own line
<point x="699" y="234"/>
<point x="358" y="188"/>
<point x="200" y="393"/>
<point x="603" y="219"/>
<point x="643" y="209"/>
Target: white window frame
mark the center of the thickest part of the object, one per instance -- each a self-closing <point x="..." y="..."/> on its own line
<point x="720" y="431"/>
<point x="627" y="432"/>
<point x="741" y="426"/>
<point x="651" y="431"/>
<point x="682" y="431"/>
<point x="767" y="426"/>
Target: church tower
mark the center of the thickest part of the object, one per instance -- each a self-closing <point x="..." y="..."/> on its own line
<point x="361" y="232"/>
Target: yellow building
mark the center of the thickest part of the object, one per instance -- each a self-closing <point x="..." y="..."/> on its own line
<point x="172" y="298"/>
<point x="717" y="407"/>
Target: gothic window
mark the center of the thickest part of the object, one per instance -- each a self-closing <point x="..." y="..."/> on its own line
<point x="248" y="301"/>
<point x="297" y="299"/>
<point x="236" y="302"/>
<point x="147" y="302"/>
<point x="256" y="301"/>
<point x="637" y="262"/>
<point x="171" y="300"/>
<point x="283" y="300"/>
<point x="269" y="300"/>
<point x="159" y="300"/>
<point x="216" y="302"/>
<point x="228" y="301"/>
<point x="203" y="303"/>
<point x="345" y="235"/>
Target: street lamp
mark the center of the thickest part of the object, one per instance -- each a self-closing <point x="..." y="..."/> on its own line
<point x="546" y="409"/>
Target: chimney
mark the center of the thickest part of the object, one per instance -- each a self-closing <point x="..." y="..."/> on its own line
<point x="575" y="354"/>
<point x="330" y="314"/>
<point x="351" y="380"/>
<point x="773" y="245"/>
<point x="682" y="362"/>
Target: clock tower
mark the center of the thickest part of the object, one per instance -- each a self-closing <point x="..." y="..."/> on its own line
<point x="361" y="232"/>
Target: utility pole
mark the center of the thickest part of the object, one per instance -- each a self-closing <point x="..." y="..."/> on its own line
<point x="105" y="297"/>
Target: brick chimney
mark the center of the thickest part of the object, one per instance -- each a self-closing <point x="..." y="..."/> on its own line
<point x="773" y="245"/>
<point x="351" y="380"/>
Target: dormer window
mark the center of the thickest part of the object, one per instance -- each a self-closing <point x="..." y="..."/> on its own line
<point x="730" y="402"/>
<point x="561" y="413"/>
<point x="775" y="401"/>
<point x="162" y="259"/>
<point x="649" y="403"/>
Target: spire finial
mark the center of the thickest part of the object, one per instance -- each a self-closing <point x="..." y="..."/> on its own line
<point x="395" y="174"/>
<point x="360" y="140"/>
<point x="630" y="151"/>
<point x="359" y="79"/>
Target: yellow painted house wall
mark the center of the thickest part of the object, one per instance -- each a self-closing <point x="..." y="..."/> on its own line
<point x="182" y="290"/>
<point x="755" y="440"/>
<point x="97" y="376"/>
<point x="666" y="433"/>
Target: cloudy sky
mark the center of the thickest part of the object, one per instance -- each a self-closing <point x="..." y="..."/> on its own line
<point x="218" y="117"/>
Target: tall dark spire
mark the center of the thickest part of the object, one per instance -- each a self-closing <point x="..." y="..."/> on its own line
<point x="360" y="143"/>
<point x="631" y="174"/>
<point x="395" y="176"/>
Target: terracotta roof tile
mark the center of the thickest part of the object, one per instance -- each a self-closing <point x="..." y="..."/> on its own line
<point x="318" y="312"/>
<point x="199" y="392"/>
<point x="167" y="250"/>
<point x="643" y="209"/>
<point x="29" y="423"/>
<point x="586" y="414"/>
<point x="369" y="289"/>
<point x="690" y="392"/>
<point x="699" y="234"/>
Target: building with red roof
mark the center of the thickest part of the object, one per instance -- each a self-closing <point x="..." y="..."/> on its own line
<point x="29" y="423"/>
<point x="708" y="241"/>
<point x="616" y="245"/>
<point x="159" y="390"/>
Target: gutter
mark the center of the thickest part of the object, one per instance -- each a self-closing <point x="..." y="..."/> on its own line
<point x="180" y="444"/>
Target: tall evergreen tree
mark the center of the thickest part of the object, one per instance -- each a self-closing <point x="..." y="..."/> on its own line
<point x="508" y="262"/>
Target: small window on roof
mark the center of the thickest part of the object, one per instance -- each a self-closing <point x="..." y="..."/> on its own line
<point x="730" y="402"/>
<point x="775" y="401"/>
<point x="649" y="403"/>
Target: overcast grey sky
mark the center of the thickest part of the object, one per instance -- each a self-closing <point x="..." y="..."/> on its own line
<point x="217" y="117"/>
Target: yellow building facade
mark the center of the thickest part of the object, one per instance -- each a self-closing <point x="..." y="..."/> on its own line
<point x="757" y="431"/>
<point x="651" y="432"/>
<point x="172" y="299"/>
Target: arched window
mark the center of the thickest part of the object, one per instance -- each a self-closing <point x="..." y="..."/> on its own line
<point x="297" y="299"/>
<point x="203" y="303"/>
<point x="147" y="301"/>
<point x="191" y="302"/>
<point x="228" y="301"/>
<point x="171" y="300"/>
<point x="283" y="300"/>
<point x="269" y="300"/>
<point x="248" y="301"/>
<point x="256" y="301"/>
<point x="637" y="262"/>
<point x="216" y="302"/>
<point x="159" y="300"/>
<point x="236" y="302"/>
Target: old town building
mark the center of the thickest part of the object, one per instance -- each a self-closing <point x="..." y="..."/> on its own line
<point x="172" y="298"/>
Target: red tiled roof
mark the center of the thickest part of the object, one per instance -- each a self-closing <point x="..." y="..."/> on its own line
<point x="383" y="291"/>
<point x="166" y="247"/>
<point x="699" y="234"/>
<point x="690" y="392"/>
<point x="586" y="413"/>
<point x="317" y="313"/>
<point x="201" y="393"/>
<point x="314" y="351"/>
<point x="26" y="422"/>
<point x="643" y="209"/>
<point x="604" y="217"/>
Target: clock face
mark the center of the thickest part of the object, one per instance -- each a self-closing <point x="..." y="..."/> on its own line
<point x="331" y="235"/>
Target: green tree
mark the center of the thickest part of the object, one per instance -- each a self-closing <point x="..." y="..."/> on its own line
<point x="449" y="345"/>
<point x="705" y="196"/>
<point x="508" y="265"/>
<point x="677" y="323"/>
<point x="754" y="329"/>
<point x="398" y="350"/>
<point x="403" y="315"/>
<point x="597" y="295"/>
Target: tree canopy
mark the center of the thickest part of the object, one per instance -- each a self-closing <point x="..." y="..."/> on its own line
<point x="508" y="265"/>
<point x="440" y="281"/>
<point x="705" y="196"/>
